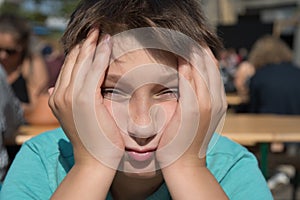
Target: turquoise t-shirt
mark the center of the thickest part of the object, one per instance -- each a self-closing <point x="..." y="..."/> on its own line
<point x="44" y="161"/>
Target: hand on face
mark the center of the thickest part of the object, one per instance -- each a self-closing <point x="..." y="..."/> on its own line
<point x="201" y="106"/>
<point x="77" y="103"/>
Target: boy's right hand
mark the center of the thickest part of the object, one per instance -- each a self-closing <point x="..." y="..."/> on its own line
<point x="77" y="103"/>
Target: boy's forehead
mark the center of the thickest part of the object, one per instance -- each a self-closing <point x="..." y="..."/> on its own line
<point x="141" y="57"/>
<point x="140" y="67"/>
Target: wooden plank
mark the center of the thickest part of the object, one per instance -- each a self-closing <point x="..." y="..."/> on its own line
<point x="246" y="129"/>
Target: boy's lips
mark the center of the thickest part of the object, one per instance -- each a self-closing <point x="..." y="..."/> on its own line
<point x="140" y="155"/>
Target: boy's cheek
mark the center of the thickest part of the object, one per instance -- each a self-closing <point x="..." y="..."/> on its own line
<point x="108" y="105"/>
<point x="118" y="112"/>
<point x="169" y="108"/>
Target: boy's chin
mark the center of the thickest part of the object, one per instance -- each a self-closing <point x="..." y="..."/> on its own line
<point x="141" y="170"/>
<point x="145" y="175"/>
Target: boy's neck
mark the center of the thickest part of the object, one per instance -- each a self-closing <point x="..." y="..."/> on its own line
<point x="126" y="187"/>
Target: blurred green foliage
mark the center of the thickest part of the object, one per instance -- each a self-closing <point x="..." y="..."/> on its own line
<point x="7" y="7"/>
<point x="66" y="8"/>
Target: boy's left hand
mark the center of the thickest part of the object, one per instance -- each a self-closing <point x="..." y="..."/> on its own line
<point x="201" y="106"/>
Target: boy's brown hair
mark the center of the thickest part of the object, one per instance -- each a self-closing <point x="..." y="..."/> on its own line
<point x="115" y="16"/>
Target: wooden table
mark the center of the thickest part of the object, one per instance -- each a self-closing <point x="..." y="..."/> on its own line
<point x="26" y="132"/>
<point x="233" y="99"/>
<point x="246" y="129"/>
<point x="250" y="129"/>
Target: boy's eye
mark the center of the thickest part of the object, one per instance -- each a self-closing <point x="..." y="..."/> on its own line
<point x="114" y="94"/>
<point x="167" y="94"/>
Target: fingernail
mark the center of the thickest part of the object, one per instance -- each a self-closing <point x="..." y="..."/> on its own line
<point x="106" y="38"/>
<point x="50" y="90"/>
<point x="90" y="32"/>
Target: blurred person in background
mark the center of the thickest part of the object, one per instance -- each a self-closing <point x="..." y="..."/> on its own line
<point x="228" y="60"/>
<point x="11" y="116"/>
<point x="275" y="86"/>
<point x="243" y="74"/>
<point x="275" y="89"/>
<point x="26" y="71"/>
<point x="54" y="58"/>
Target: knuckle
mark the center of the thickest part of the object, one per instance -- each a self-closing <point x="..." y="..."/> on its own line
<point x="60" y="100"/>
<point x="51" y="102"/>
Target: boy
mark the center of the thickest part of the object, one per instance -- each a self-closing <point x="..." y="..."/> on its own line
<point x="139" y="102"/>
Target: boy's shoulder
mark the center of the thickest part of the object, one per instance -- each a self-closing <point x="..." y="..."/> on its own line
<point x="222" y="145"/>
<point x="223" y="154"/>
<point x="50" y="143"/>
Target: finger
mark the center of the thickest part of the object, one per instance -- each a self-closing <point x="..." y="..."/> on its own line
<point x="214" y="81"/>
<point x="66" y="70"/>
<point x="57" y="94"/>
<point x="84" y="59"/>
<point x="96" y="73"/>
<point x="201" y="90"/>
<point x="201" y="105"/>
<point x="182" y="128"/>
<point x="102" y="57"/>
<point x="95" y="126"/>
<point x="217" y="98"/>
<point x="186" y="84"/>
<point x="215" y="85"/>
<point x="193" y="97"/>
<point x="198" y="64"/>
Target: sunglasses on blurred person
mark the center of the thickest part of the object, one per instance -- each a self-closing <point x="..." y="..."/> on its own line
<point x="10" y="52"/>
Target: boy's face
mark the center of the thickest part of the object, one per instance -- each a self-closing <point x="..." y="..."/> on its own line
<point x="140" y="91"/>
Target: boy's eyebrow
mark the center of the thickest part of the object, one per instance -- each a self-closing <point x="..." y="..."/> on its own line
<point x="170" y="78"/>
<point x="164" y="80"/>
<point x="113" y="78"/>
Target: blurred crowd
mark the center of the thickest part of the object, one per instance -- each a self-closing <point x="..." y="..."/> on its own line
<point x="267" y="82"/>
<point x="29" y="65"/>
<point x="265" y="79"/>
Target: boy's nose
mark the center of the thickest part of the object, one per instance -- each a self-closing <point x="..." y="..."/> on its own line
<point x="141" y="125"/>
<point x="142" y="141"/>
<point x="142" y="134"/>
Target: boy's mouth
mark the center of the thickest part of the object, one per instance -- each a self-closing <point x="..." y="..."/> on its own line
<point x="140" y="155"/>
